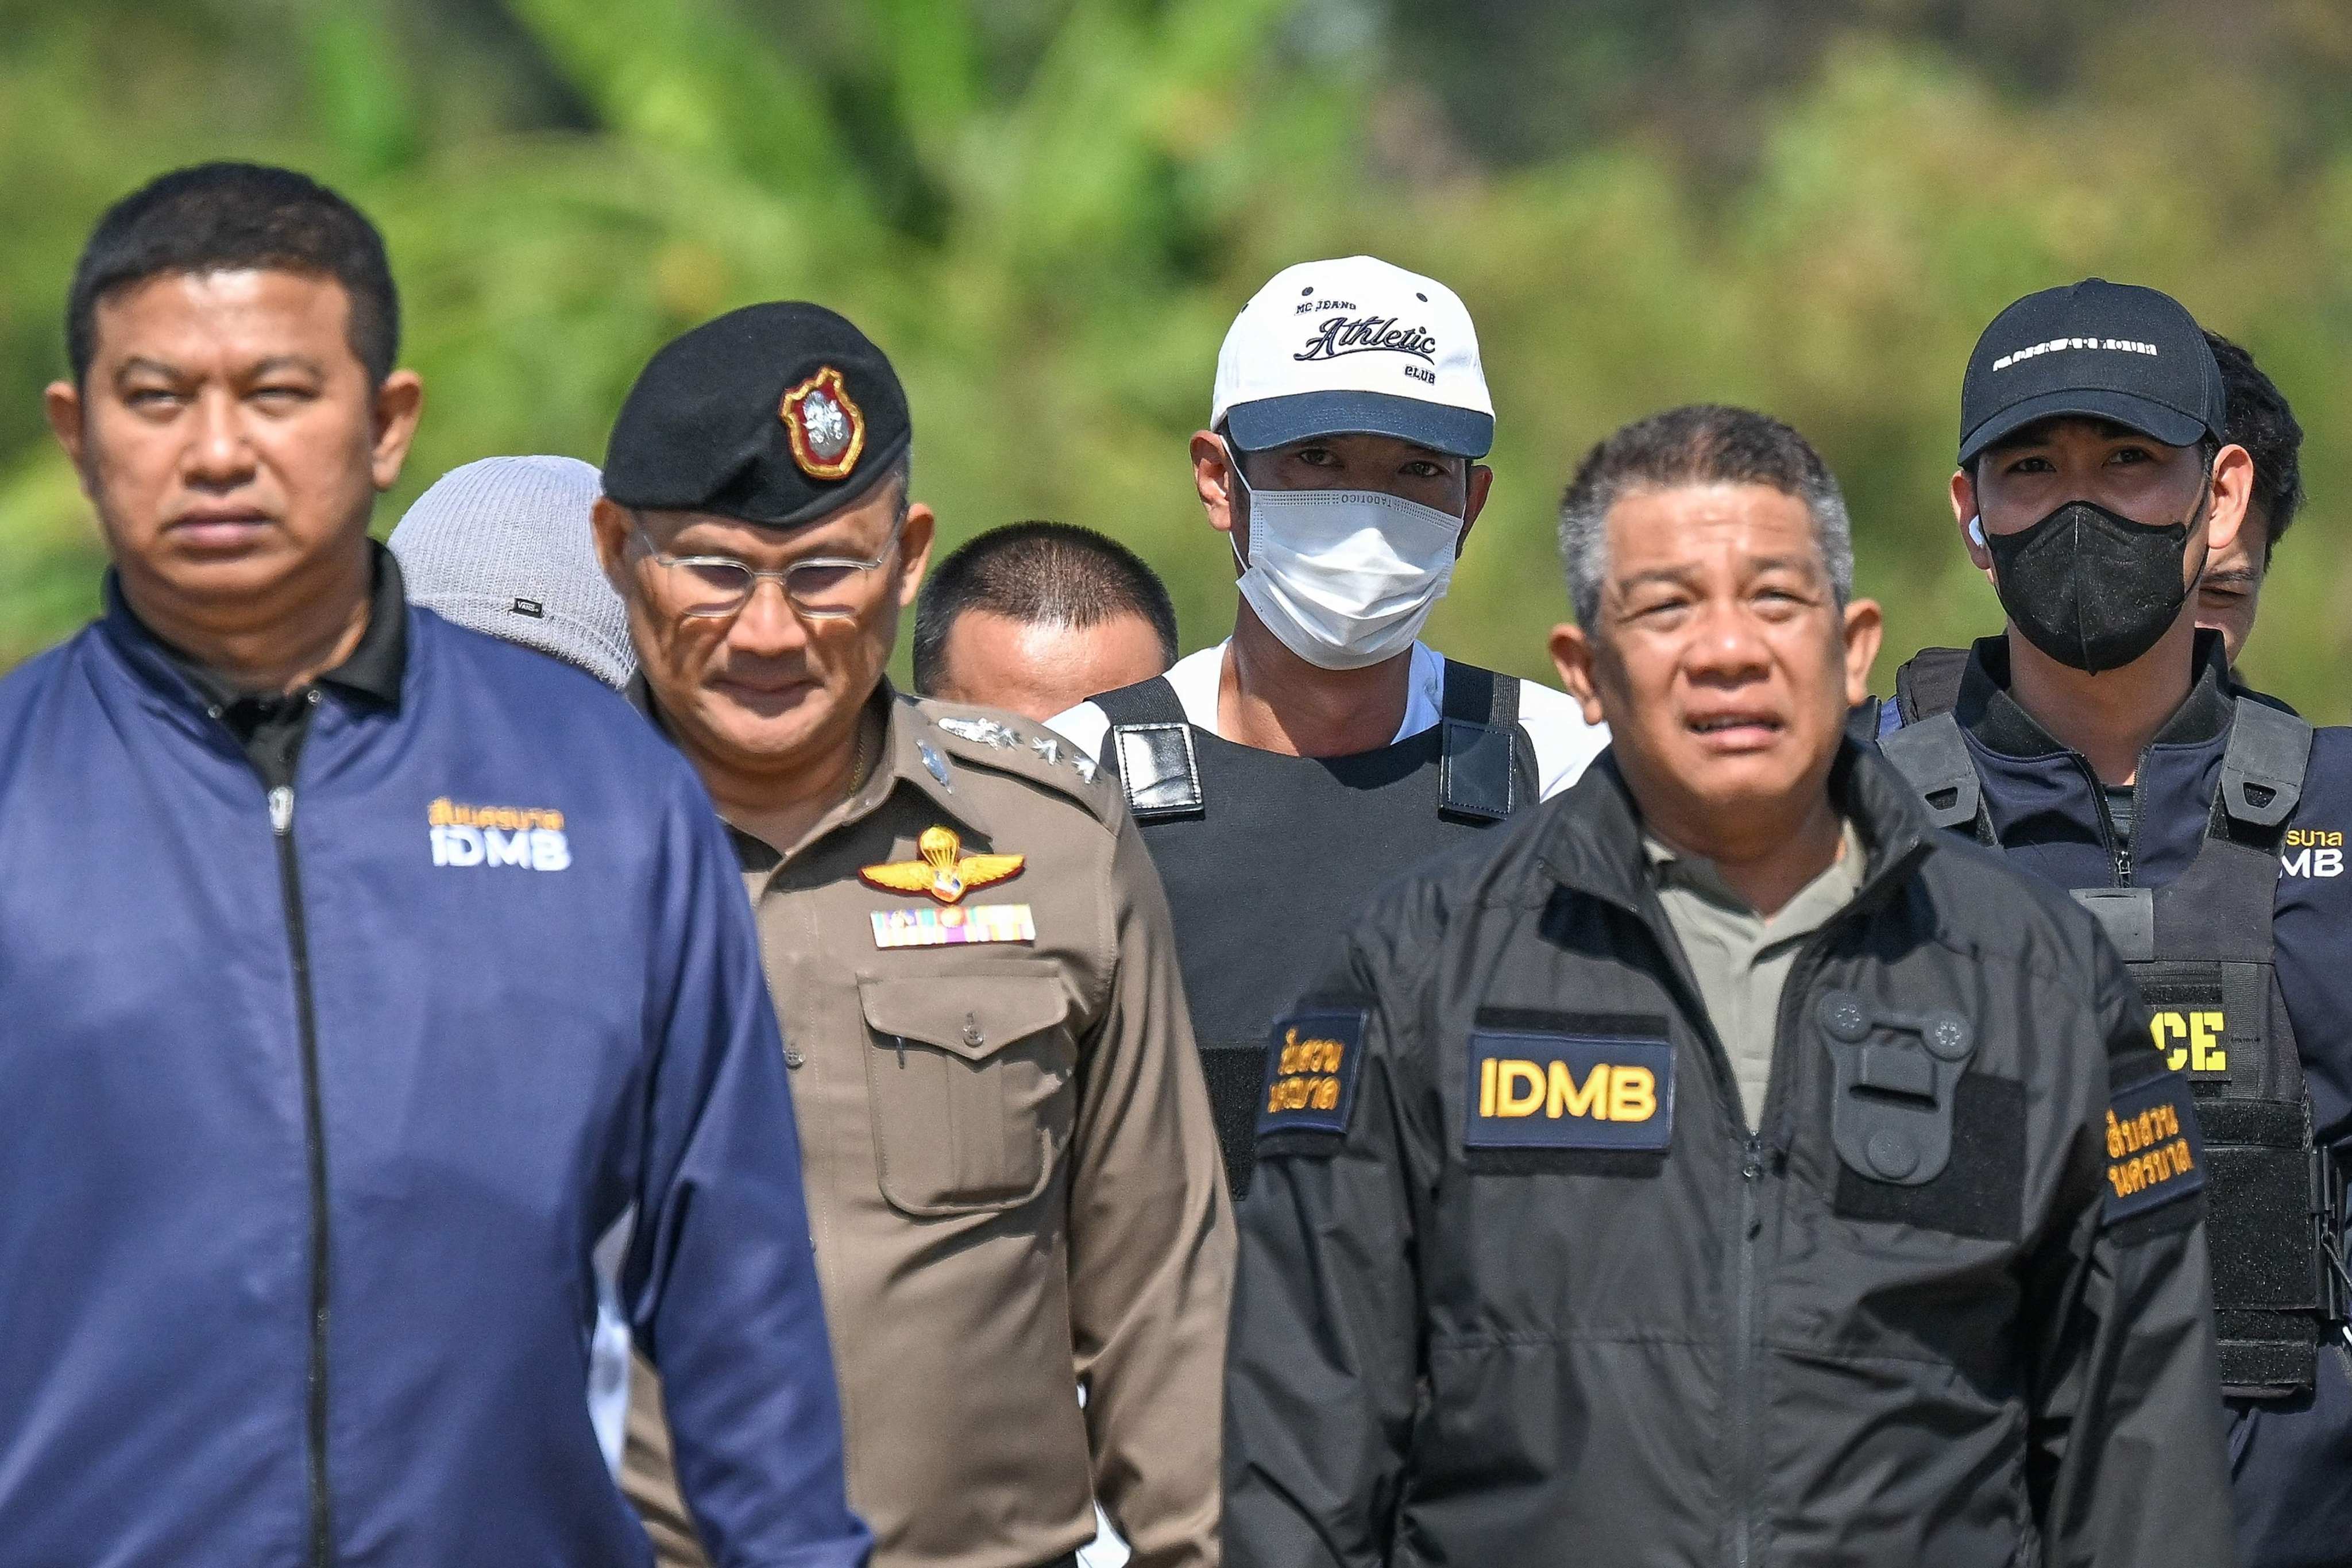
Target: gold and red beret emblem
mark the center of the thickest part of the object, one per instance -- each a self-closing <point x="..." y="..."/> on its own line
<point x="827" y="428"/>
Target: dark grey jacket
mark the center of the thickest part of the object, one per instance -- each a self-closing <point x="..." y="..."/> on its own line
<point x="1518" y="1286"/>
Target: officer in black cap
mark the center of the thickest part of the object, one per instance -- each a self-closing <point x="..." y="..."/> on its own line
<point x="2099" y="742"/>
<point x="1007" y="1146"/>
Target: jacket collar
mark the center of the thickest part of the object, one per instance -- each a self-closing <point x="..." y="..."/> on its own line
<point x="1988" y="713"/>
<point x="372" y="672"/>
<point x="1593" y="843"/>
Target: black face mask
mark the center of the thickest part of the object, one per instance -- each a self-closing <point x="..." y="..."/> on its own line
<point x="2093" y="590"/>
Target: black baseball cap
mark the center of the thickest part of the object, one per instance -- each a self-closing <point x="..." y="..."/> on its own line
<point x="2096" y="349"/>
<point x="777" y="414"/>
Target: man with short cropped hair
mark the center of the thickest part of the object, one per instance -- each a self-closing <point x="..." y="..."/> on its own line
<point x="362" y="972"/>
<point x="1717" y="1167"/>
<point x="1037" y="616"/>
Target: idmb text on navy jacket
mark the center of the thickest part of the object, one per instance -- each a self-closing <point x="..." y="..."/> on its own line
<point x="536" y="1002"/>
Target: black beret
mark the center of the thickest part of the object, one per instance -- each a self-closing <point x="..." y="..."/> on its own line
<point x="774" y="414"/>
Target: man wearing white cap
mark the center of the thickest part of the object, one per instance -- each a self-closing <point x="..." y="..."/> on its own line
<point x="1280" y="776"/>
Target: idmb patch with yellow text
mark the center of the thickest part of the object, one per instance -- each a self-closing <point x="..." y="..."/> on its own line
<point x="1568" y="1092"/>
<point x="1311" y="1068"/>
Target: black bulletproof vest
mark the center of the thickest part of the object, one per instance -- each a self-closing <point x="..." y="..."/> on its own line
<point x="2200" y="949"/>
<point x="1267" y="858"/>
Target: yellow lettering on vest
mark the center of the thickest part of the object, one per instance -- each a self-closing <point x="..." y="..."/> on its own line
<point x="2115" y="1139"/>
<point x="1633" y="1094"/>
<point x="2206" y="1053"/>
<point x="1508" y="1100"/>
<point x="1486" y="1086"/>
<point x="2165" y="1028"/>
<point x="1569" y="1098"/>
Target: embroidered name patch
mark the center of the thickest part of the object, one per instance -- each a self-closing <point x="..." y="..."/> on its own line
<point x="1310" y="1072"/>
<point x="1568" y="1092"/>
<point x="2155" y="1153"/>
<point x="950" y="927"/>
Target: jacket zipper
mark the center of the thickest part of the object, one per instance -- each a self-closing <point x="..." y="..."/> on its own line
<point x="314" y="1136"/>
<point x="1756" y="1152"/>
<point x="2119" y="855"/>
<point x="1743" y="1352"/>
<point x="1761" y="1155"/>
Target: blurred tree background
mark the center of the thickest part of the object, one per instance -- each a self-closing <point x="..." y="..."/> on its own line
<point x="1048" y="210"/>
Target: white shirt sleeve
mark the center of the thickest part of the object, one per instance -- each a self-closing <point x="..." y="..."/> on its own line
<point x="1085" y="727"/>
<point x="1564" y="743"/>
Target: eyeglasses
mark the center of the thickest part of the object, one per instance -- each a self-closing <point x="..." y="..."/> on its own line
<point x="823" y="588"/>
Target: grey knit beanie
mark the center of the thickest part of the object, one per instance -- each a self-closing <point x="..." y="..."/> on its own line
<point x="504" y="546"/>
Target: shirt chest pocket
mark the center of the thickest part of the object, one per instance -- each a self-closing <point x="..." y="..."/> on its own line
<point x="970" y="1079"/>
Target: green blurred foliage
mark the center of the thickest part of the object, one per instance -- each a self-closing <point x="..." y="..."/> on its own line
<point x="1048" y="210"/>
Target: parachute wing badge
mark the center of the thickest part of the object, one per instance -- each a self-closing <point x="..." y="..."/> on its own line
<point x="943" y="870"/>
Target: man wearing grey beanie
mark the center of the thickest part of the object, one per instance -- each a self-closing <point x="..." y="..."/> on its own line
<point x="502" y="546"/>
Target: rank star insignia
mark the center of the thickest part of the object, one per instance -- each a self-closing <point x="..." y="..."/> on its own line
<point x="944" y="870"/>
<point x="827" y="430"/>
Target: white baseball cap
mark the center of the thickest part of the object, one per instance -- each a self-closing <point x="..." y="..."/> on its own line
<point x="1353" y="346"/>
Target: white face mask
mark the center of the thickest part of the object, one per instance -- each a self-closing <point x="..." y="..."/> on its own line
<point x="1343" y="578"/>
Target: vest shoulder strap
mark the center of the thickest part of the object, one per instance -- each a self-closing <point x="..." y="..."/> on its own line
<point x="1152" y="701"/>
<point x="1486" y="765"/>
<point x="2263" y="765"/>
<point x="1151" y="745"/>
<point x="1929" y="682"/>
<point x="1934" y="756"/>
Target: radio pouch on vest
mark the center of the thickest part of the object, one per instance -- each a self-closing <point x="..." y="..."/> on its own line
<point x="2200" y="950"/>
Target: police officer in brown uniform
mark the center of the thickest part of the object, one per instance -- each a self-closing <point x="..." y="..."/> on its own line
<point x="1012" y="1180"/>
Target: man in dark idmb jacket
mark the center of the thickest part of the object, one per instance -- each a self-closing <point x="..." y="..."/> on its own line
<point x="1722" y="1167"/>
<point x="361" y="972"/>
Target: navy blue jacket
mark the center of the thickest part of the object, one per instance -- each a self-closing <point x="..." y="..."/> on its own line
<point x="532" y="999"/>
<point x="2292" y="1462"/>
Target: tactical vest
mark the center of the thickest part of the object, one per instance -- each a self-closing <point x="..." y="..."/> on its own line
<point x="1268" y="859"/>
<point x="2200" y="950"/>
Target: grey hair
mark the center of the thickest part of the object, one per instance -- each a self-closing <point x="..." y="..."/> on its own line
<point x="1699" y="444"/>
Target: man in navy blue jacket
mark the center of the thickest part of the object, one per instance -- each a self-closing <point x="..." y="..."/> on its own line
<point x="360" y="972"/>
<point x="2100" y="743"/>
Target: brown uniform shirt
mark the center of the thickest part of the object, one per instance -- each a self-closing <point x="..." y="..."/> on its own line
<point x="1011" y="1176"/>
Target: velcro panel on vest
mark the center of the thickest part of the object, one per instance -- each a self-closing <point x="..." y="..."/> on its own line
<point x="2260" y="1231"/>
<point x="2259" y="1209"/>
<point x="1236" y="1072"/>
<point x="1162" y="776"/>
<point x="2267" y="1355"/>
<point x="2128" y="917"/>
